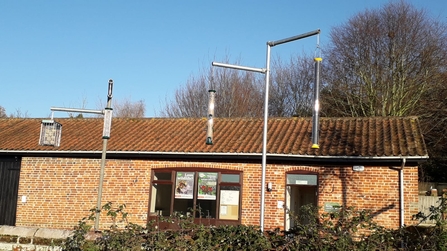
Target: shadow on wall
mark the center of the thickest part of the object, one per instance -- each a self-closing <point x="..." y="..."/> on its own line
<point x="383" y="210"/>
<point x="347" y="183"/>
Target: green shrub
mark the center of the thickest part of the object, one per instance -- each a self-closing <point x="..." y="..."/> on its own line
<point x="428" y="237"/>
<point x="346" y="229"/>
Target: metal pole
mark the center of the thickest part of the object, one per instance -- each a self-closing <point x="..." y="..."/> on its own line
<point x="264" y="137"/>
<point x="103" y="161"/>
<point x="266" y="71"/>
<point x="290" y="39"/>
<point x="62" y="109"/>
<point x="237" y="67"/>
<point x="401" y="193"/>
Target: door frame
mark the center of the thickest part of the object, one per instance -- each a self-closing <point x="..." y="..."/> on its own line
<point x="299" y="180"/>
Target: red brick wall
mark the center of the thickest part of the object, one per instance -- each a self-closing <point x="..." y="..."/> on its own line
<point x="376" y="189"/>
<point x="61" y="191"/>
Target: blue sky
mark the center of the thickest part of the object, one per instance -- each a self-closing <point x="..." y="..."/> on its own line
<point x="62" y="53"/>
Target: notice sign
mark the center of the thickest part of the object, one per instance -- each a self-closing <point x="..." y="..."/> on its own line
<point x="331" y="207"/>
<point x="229" y="197"/>
<point x="184" y="185"/>
<point x="229" y="205"/>
<point x="207" y="183"/>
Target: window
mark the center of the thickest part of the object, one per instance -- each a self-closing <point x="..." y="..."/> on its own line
<point x="302" y="179"/>
<point x="207" y="194"/>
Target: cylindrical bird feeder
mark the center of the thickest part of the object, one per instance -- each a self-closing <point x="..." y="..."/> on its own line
<point x="209" y="131"/>
<point x="315" y="114"/>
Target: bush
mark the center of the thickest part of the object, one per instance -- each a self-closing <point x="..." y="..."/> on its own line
<point x="346" y="229"/>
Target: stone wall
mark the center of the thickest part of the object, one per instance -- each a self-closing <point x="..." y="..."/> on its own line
<point x="31" y="238"/>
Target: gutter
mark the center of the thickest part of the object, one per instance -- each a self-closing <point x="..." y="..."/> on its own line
<point x="401" y="192"/>
<point x="323" y="160"/>
<point x="401" y="195"/>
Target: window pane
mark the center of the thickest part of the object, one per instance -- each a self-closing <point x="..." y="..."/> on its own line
<point x="233" y="178"/>
<point x="206" y="209"/>
<point x="194" y="193"/>
<point x="301" y="179"/>
<point x="161" y="199"/>
<point x="162" y="176"/>
<point x="229" y="203"/>
<point x="183" y="206"/>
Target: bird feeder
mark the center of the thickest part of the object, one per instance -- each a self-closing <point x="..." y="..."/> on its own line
<point x="50" y="133"/>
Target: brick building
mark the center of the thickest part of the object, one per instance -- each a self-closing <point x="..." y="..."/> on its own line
<point x="158" y="166"/>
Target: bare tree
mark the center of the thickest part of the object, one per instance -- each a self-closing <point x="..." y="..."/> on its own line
<point x="19" y="114"/>
<point x="292" y="87"/>
<point x="241" y="93"/>
<point x="381" y="62"/>
<point x="128" y="109"/>
<point x="238" y="94"/>
<point x="2" y="112"/>
<point x="83" y="105"/>
<point x="189" y="101"/>
<point x="392" y="62"/>
<point x="125" y="108"/>
<point x="433" y="114"/>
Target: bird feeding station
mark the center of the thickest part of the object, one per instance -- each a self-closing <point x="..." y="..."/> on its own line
<point x="209" y="131"/>
<point x="266" y="71"/>
<point x="51" y="132"/>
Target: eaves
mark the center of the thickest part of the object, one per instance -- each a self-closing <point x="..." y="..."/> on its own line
<point x="231" y="157"/>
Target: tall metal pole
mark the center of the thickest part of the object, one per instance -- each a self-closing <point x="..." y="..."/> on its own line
<point x="264" y="137"/>
<point x="264" y="140"/>
<point x="103" y="156"/>
<point x="266" y="71"/>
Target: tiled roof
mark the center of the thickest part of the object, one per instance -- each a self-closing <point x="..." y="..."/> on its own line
<point x="365" y="137"/>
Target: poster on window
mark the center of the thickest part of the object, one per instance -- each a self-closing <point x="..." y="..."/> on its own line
<point x="207" y="186"/>
<point x="184" y="185"/>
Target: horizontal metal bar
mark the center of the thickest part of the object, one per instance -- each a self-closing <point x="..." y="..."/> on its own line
<point x="62" y="109"/>
<point x="290" y="39"/>
<point x="237" y="67"/>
